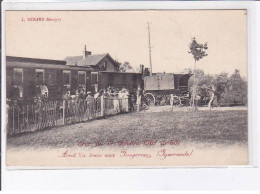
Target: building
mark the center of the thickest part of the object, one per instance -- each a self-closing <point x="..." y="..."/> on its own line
<point x="29" y="73"/>
<point x="106" y="71"/>
<point x="99" y="62"/>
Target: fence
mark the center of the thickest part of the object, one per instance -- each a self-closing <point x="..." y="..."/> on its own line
<point x="27" y="118"/>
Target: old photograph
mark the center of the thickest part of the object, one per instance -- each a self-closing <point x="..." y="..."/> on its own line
<point x="139" y="88"/>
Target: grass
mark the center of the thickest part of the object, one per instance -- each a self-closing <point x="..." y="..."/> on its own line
<point x="214" y="127"/>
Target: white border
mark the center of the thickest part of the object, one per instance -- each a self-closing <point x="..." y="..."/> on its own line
<point x="184" y="178"/>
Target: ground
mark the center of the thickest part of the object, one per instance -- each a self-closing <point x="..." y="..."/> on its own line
<point x="215" y="127"/>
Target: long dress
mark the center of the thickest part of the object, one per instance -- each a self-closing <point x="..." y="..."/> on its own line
<point x="90" y="106"/>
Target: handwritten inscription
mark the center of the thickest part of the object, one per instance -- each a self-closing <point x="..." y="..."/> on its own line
<point x="129" y="143"/>
<point x="161" y="154"/>
<point x="126" y="153"/>
<point x="164" y="153"/>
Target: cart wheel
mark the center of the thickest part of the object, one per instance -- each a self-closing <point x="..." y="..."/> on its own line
<point x="177" y="101"/>
<point x="149" y="99"/>
<point x="186" y="102"/>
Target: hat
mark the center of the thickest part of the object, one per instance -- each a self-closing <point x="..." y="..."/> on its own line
<point x="88" y="92"/>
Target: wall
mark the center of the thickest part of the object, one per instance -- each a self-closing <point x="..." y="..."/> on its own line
<point x="110" y="64"/>
<point x="53" y="79"/>
<point x="118" y="80"/>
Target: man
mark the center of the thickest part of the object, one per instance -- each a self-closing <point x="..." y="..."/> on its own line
<point x="97" y="101"/>
<point x="89" y="95"/>
<point x="82" y="93"/>
<point x="98" y="94"/>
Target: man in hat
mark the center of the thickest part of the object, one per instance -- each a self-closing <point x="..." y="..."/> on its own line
<point x="89" y="95"/>
<point x="82" y="93"/>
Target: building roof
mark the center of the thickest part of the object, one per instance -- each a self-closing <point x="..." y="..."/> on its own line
<point x="119" y="72"/>
<point x="174" y="73"/>
<point x="23" y="62"/>
<point x="90" y="60"/>
<point x="35" y="60"/>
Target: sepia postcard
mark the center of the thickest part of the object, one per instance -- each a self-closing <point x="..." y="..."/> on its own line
<point x="126" y="88"/>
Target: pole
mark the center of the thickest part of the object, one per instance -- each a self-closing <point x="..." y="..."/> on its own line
<point x="194" y="87"/>
<point x="63" y="112"/>
<point x="102" y="108"/>
<point x="150" y="50"/>
<point x="194" y="73"/>
<point x="13" y="119"/>
<point x="193" y="92"/>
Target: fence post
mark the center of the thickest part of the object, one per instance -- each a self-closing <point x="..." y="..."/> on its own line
<point x="18" y="122"/>
<point x="171" y="101"/>
<point x="63" y="114"/>
<point x="13" y="119"/>
<point x="27" y="116"/>
<point x="139" y="102"/>
<point x="126" y="98"/>
<point x="102" y="108"/>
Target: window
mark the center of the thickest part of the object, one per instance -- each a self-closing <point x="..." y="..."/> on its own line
<point x="51" y="77"/>
<point x="66" y="78"/>
<point x="105" y="66"/>
<point x="18" y="77"/>
<point x="39" y="76"/>
<point x="94" y="78"/>
<point x="81" y="77"/>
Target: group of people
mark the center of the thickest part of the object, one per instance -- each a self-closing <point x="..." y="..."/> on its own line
<point x="109" y="92"/>
<point x="134" y="98"/>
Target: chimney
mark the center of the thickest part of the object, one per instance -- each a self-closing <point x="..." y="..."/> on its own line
<point x="146" y="72"/>
<point x="86" y="53"/>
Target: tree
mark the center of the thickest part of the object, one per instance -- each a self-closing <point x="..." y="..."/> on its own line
<point x="200" y="77"/>
<point x="236" y="93"/>
<point x="221" y="88"/>
<point x="212" y="87"/>
<point x="117" y="65"/>
<point x="198" y="51"/>
<point x="137" y="69"/>
<point x="221" y="83"/>
<point x="125" y="67"/>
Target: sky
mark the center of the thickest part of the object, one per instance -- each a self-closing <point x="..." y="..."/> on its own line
<point x="124" y="35"/>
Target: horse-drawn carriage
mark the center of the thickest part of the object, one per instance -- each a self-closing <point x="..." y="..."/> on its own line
<point x="159" y="89"/>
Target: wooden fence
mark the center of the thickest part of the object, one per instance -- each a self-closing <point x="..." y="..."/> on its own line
<point x="27" y="118"/>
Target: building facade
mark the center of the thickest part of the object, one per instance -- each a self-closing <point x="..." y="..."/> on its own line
<point x="27" y="74"/>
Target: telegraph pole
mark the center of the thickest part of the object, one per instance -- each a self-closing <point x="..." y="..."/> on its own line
<point x="150" y="50"/>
